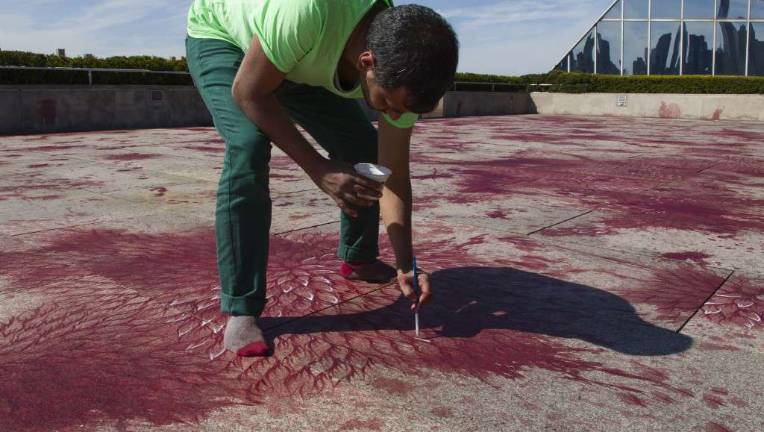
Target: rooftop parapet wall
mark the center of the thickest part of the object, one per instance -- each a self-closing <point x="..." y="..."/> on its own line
<point x="42" y="109"/>
<point x="685" y="106"/>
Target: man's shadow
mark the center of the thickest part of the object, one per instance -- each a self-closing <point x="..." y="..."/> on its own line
<point x="472" y="299"/>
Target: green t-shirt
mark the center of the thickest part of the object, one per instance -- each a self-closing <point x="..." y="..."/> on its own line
<point x="304" y="39"/>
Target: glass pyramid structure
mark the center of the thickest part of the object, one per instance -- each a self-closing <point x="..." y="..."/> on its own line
<point x="673" y="37"/>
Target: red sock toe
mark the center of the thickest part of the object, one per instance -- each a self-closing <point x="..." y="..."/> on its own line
<point x="255" y="349"/>
<point x="346" y="270"/>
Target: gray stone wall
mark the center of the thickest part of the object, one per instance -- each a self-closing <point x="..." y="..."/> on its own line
<point x="43" y="109"/>
<point x="686" y="106"/>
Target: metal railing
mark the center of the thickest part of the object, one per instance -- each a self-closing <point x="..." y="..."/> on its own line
<point x="495" y="86"/>
<point x="464" y="85"/>
<point x="91" y="70"/>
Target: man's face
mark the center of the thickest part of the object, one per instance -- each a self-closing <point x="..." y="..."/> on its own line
<point x="391" y="102"/>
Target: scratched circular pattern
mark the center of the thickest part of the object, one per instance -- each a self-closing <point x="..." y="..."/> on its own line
<point x="739" y="303"/>
<point x="130" y="330"/>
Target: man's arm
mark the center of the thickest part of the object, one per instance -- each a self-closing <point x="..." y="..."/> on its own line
<point x="396" y="205"/>
<point x="253" y="90"/>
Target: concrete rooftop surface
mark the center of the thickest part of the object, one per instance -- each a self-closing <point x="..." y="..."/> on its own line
<point x="591" y="274"/>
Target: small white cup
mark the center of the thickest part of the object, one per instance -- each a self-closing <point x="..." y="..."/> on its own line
<point x="371" y="171"/>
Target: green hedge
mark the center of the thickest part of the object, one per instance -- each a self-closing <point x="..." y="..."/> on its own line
<point x="21" y="58"/>
<point x="555" y="81"/>
<point x="564" y="82"/>
<point x="67" y="77"/>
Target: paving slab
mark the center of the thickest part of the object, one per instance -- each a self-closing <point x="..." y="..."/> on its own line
<point x="590" y="274"/>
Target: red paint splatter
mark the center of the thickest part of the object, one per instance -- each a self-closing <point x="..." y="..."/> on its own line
<point x="374" y="424"/>
<point x="676" y="293"/>
<point x="738" y="402"/>
<point x="716" y="427"/>
<point x="698" y="257"/>
<point x="393" y="386"/>
<point x="497" y="214"/>
<point x="159" y="191"/>
<point x="713" y="401"/>
<point x="131" y="156"/>
<point x="442" y="412"/>
<point x="434" y="175"/>
<point x="206" y="149"/>
<point x="631" y="399"/>
<point x="662" y="397"/>
<point x="757" y="137"/>
<point x="671" y="111"/>
<point x="136" y="317"/>
<point x="50" y="148"/>
<point x="27" y="190"/>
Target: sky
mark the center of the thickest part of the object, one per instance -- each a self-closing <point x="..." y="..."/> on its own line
<point x="509" y="37"/>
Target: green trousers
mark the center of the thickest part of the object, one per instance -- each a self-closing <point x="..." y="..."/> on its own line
<point x="243" y="209"/>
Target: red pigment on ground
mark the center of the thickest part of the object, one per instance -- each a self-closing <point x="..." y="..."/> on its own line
<point x="45" y="197"/>
<point x="156" y="294"/>
<point x="675" y="293"/>
<point x="432" y="176"/>
<point x="698" y="257"/>
<point x="651" y="373"/>
<point x="37" y="138"/>
<point x="720" y="390"/>
<point x="27" y="190"/>
<point x="131" y="156"/>
<point x="374" y="424"/>
<point x="206" y="149"/>
<point x="738" y="402"/>
<point x="634" y="205"/>
<point x="739" y="302"/>
<point x="757" y="137"/>
<point x="716" y="427"/>
<point x="55" y="147"/>
<point x="497" y="214"/>
<point x="713" y="401"/>
<point x="662" y="397"/>
<point x="707" y="346"/>
<point x="393" y="386"/>
<point x="631" y="399"/>
<point x="442" y="412"/>
<point x="159" y="191"/>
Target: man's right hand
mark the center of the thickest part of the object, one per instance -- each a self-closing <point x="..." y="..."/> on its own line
<point x="347" y="188"/>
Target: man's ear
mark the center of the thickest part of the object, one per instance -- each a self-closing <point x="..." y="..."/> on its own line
<point x="365" y="61"/>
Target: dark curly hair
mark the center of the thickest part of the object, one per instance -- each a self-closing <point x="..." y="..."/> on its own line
<point x="415" y="48"/>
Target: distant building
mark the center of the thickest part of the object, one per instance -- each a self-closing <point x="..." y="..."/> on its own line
<point x="673" y="37"/>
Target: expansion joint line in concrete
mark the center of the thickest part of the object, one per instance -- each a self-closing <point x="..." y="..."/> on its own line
<point x="561" y="222"/>
<point x="707" y="168"/>
<point x="280" y="233"/>
<point x="679" y="330"/>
